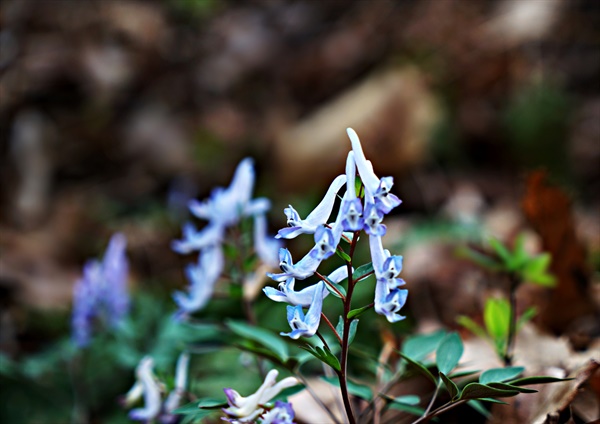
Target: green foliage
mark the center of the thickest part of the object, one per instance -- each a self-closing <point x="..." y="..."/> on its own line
<point x="448" y="353"/>
<point x="418" y="347"/>
<point x="362" y="272"/>
<point x="497" y="317"/>
<point x="339" y="328"/>
<point x="270" y="341"/>
<point x="518" y="262"/>
<point x="324" y="355"/>
<point x="358" y="390"/>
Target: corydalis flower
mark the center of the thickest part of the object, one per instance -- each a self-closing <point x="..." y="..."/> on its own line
<point x="101" y="294"/>
<point x="306" y="325"/>
<point x="247" y="409"/>
<point x="389" y="299"/>
<point x="378" y="188"/>
<point x="316" y="218"/>
<point x="301" y="270"/>
<point x="202" y="277"/>
<point x="149" y="386"/>
<point x="225" y="208"/>
<point x="282" y="413"/>
<point x="287" y="294"/>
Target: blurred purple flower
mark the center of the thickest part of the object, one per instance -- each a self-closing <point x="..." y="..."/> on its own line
<point x="282" y="413"/>
<point x="101" y="294"/>
<point x="265" y="246"/>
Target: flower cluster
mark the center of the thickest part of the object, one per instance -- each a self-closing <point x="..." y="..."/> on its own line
<point x="101" y="294"/>
<point x="225" y="208"/>
<point x="249" y="409"/>
<point x="149" y="387"/>
<point x="356" y="213"/>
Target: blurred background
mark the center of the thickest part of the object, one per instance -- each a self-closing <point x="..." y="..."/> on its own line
<point x="114" y="113"/>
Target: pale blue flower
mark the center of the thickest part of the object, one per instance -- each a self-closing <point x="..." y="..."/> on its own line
<point x="101" y="294"/>
<point x="389" y="301"/>
<point x="151" y="390"/>
<point x="316" y="218"/>
<point x="351" y="207"/>
<point x="202" y="277"/>
<point x="304" y="297"/>
<point x="301" y="270"/>
<point x="226" y="206"/>
<point x="282" y="413"/>
<point x="387" y="267"/>
<point x="247" y="409"/>
<point x="373" y="218"/>
<point x="174" y="399"/>
<point x="194" y="240"/>
<point x="265" y="246"/>
<point x="306" y="325"/>
<point x="379" y="189"/>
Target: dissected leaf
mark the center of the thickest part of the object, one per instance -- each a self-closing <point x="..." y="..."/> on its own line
<point x="478" y="406"/>
<point x="537" y="380"/>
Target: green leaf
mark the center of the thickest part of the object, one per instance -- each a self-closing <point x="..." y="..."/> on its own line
<point x="419" y="367"/>
<point x="329" y="284"/>
<point x="500" y="374"/>
<point x="362" y="271"/>
<point x="450" y="385"/>
<point x="358" y="390"/>
<point x="340" y="329"/>
<point x="536" y="271"/>
<point x="290" y="391"/>
<point x="526" y="316"/>
<point x="505" y="386"/>
<point x="206" y="403"/>
<point x="407" y="399"/>
<point x="262" y="336"/>
<point x="500" y="250"/>
<point x="418" y="347"/>
<point x="356" y="312"/>
<point x="478" y="258"/>
<point x="323" y="355"/>
<point x="540" y="379"/>
<point x="343" y="255"/>
<point x="472" y="326"/>
<point x="464" y="373"/>
<point x="477" y="391"/>
<point x="497" y="316"/>
<point x="448" y="353"/>
<point x="492" y="400"/>
<point x="407" y="403"/>
<point x="478" y="406"/>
